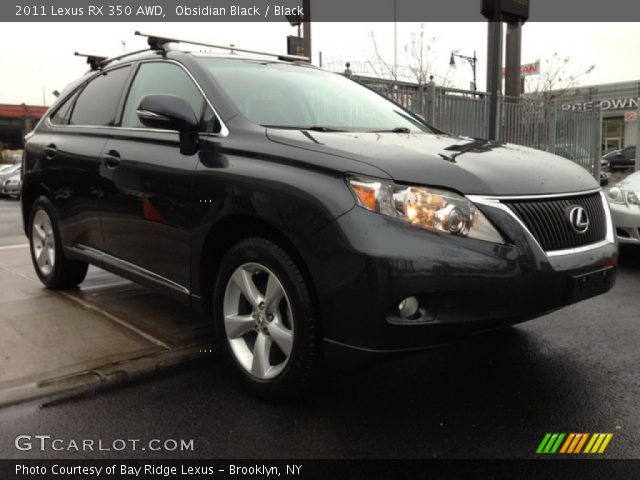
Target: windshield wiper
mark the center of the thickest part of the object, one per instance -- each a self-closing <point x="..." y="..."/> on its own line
<point x="313" y="128"/>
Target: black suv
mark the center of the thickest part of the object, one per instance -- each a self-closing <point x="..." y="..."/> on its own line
<point x="309" y="216"/>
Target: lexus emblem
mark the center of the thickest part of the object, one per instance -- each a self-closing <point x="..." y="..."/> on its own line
<point x="579" y="219"/>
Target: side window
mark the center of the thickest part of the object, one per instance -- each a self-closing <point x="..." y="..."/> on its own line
<point x="62" y="113"/>
<point x="98" y="102"/>
<point x="166" y="79"/>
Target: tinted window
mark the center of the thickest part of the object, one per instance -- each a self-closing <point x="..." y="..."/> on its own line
<point x="166" y="79"/>
<point x="61" y="115"/>
<point x="98" y="103"/>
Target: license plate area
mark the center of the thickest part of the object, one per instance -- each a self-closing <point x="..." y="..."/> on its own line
<point x="590" y="284"/>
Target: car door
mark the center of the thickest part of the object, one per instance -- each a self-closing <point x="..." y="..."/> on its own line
<point x="78" y="131"/>
<point x="629" y="156"/>
<point x="149" y="205"/>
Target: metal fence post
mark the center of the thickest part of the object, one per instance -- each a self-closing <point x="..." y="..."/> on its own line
<point x="552" y="125"/>
<point x="431" y="103"/>
<point x="598" y="149"/>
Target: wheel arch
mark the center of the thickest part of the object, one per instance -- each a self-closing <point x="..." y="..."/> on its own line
<point x="226" y="233"/>
<point x="30" y="193"/>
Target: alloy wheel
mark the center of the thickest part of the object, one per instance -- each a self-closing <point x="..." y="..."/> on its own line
<point x="43" y="242"/>
<point x="258" y="321"/>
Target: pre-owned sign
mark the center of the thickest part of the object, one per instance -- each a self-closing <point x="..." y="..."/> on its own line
<point x="607" y="104"/>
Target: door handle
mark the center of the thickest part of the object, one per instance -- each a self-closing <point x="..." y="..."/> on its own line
<point x="111" y="159"/>
<point x="50" y="151"/>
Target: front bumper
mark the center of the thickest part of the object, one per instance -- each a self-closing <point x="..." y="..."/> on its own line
<point x="626" y="219"/>
<point x="364" y="264"/>
<point x="10" y="189"/>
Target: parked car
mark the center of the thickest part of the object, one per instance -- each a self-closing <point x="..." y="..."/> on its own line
<point x="11" y="186"/>
<point x="625" y="208"/>
<point x="622" y="159"/>
<point x="312" y="218"/>
<point x="9" y="172"/>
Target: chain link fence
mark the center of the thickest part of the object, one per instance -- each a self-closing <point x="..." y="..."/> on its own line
<point x="532" y="122"/>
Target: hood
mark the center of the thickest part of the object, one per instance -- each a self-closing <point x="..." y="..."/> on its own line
<point x="492" y="169"/>
<point x="632" y="182"/>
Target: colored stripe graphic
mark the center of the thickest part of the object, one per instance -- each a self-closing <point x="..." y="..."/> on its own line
<point x="567" y="442"/>
<point x="573" y="443"/>
<point x="543" y="443"/>
<point x="605" y="442"/>
<point x="581" y="443"/>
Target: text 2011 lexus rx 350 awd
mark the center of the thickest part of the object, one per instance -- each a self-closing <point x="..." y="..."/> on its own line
<point x="309" y="216"/>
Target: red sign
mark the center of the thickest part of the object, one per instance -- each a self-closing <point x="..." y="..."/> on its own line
<point x="631" y="116"/>
<point x="528" y="69"/>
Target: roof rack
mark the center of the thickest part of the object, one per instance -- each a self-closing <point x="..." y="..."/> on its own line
<point x="98" y="63"/>
<point x="95" y="61"/>
<point x="158" y="43"/>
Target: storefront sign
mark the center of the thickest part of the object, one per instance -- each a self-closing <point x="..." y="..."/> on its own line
<point x="631" y="116"/>
<point x="607" y="104"/>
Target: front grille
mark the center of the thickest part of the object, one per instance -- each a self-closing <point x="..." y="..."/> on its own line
<point x="547" y="219"/>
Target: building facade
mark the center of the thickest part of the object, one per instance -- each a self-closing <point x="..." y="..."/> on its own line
<point x="16" y="121"/>
<point x="620" y="105"/>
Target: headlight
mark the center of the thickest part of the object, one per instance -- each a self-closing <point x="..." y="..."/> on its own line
<point x="632" y="198"/>
<point x="619" y="196"/>
<point x="428" y="208"/>
<point x="616" y="195"/>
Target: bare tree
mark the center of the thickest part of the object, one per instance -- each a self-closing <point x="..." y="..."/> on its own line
<point x="420" y="58"/>
<point x="557" y="75"/>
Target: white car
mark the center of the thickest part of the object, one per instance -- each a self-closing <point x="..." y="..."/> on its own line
<point x="11" y="186"/>
<point x="624" y="199"/>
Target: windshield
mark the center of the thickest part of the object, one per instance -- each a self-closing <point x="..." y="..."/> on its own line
<point x="10" y="169"/>
<point x="289" y="96"/>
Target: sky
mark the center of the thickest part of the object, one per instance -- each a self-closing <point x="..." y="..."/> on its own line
<point x="39" y="58"/>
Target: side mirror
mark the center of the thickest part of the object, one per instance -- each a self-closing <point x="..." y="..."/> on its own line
<point x="170" y="112"/>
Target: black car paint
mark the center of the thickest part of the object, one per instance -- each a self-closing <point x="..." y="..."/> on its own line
<point x="621" y="159"/>
<point x="156" y="216"/>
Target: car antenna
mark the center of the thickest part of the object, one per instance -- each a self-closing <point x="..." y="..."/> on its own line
<point x="158" y="43"/>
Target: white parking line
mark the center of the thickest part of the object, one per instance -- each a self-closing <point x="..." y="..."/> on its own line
<point x="13" y="247"/>
<point x="115" y="319"/>
<point x="89" y="306"/>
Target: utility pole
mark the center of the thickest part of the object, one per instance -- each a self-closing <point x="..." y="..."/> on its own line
<point x="395" y="39"/>
<point x="512" y="84"/>
<point x="306" y="28"/>
<point x="494" y="87"/>
<point x="497" y="11"/>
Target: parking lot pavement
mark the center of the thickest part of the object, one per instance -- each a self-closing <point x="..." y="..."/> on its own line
<point x="51" y="342"/>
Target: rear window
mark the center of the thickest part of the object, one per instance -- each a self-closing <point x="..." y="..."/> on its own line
<point x="98" y="102"/>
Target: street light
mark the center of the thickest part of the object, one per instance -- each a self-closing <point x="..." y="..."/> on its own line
<point x="472" y="61"/>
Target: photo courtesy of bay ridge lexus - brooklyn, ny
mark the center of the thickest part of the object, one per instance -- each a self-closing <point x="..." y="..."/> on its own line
<point x="314" y="220"/>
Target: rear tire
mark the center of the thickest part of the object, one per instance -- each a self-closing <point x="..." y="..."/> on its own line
<point x="265" y="320"/>
<point x="54" y="270"/>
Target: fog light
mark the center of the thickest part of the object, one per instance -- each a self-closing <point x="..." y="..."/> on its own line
<point x="408" y="307"/>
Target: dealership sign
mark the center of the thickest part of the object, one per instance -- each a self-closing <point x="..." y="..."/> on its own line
<point x="528" y="69"/>
<point x="608" y="104"/>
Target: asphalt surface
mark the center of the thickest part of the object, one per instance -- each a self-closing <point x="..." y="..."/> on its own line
<point x="489" y="396"/>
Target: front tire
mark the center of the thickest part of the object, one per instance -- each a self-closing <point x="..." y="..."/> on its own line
<point x="265" y="320"/>
<point x="54" y="270"/>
